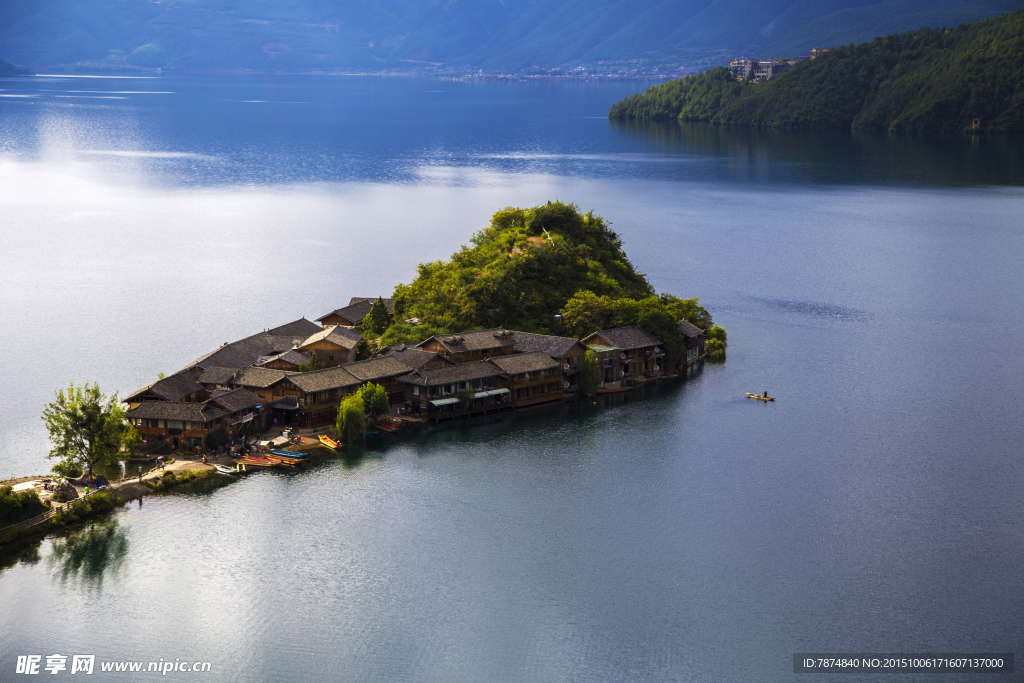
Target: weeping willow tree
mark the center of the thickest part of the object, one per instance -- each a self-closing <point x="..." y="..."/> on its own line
<point x="351" y="423"/>
<point x="588" y="373"/>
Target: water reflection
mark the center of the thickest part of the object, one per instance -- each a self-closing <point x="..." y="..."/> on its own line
<point x="88" y="555"/>
<point x="26" y="552"/>
<point x="766" y="155"/>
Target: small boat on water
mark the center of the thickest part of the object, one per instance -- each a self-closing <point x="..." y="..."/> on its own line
<point x="290" y="455"/>
<point x="225" y="470"/>
<point x="392" y="424"/>
<point x="760" y="397"/>
<point x="615" y="388"/>
<point x="262" y="462"/>
<point x="329" y="442"/>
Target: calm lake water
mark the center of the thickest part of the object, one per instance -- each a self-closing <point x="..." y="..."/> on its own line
<point x="871" y="282"/>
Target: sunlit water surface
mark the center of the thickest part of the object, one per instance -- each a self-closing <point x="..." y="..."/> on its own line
<point x="872" y="283"/>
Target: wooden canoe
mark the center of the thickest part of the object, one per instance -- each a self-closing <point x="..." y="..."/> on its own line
<point x="760" y="397"/>
<point x="618" y="390"/>
<point x="388" y="426"/>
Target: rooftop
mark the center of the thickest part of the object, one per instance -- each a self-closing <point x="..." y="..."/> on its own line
<point x="551" y="345"/>
<point x="335" y="334"/>
<point x="357" y="309"/>
<point x="260" y="378"/>
<point x="173" y="388"/>
<point x="481" y="340"/>
<point x="171" y="410"/>
<point x="413" y="357"/>
<point x="322" y="380"/>
<point x="525" y="362"/>
<point x="690" y="330"/>
<point x="452" y="373"/>
<point x="627" y="338"/>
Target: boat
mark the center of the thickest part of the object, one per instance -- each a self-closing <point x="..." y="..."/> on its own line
<point x="390" y="425"/>
<point x="612" y="389"/>
<point x="329" y="442"/>
<point x="262" y="462"/>
<point x="292" y="455"/>
<point x="225" y="470"/>
<point x="760" y="397"/>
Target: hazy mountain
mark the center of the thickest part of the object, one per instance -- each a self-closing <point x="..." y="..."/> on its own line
<point x="488" y="34"/>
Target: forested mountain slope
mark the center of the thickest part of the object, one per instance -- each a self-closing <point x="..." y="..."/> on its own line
<point x="490" y="34"/>
<point x="925" y="81"/>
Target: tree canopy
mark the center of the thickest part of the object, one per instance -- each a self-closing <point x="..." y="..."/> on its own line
<point x="529" y="265"/>
<point x="377" y="319"/>
<point x="86" y="428"/>
<point x="314" y="363"/>
<point x="351" y="422"/>
<point x="375" y="399"/>
<point x="928" y="80"/>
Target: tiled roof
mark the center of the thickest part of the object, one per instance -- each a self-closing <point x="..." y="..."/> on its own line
<point x="298" y="329"/>
<point x="626" y="338"/>
<point x="377" y="368"/>
<point x="290" y="356"/>
<point x="218" y="375"/>
<point x="553" y="346"/>
<point x="260" y="377"/>
<point x="235" y="400"/>
<point x="525" y="362"/>
<point x="413" y="357"/>
<point x="480" y="340"/>
<point x="321" y="380"/>
<point x="173" y="388"/>
<point x="357" y="309"/>
<point x="388" y="303"/>
<point x="690" y="330"/>
<point x="452" y="373"/>
<point x="168" y="410"/>
<point x="343" y="337"/>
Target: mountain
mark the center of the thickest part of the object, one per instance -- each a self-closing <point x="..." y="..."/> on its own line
<point x="490" y="34"/>
<point x="920" y="81"/>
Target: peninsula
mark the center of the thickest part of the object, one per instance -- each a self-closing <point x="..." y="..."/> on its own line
<point x="929" y="80"/>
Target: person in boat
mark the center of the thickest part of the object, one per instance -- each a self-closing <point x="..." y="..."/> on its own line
<point x="766" y="393"/>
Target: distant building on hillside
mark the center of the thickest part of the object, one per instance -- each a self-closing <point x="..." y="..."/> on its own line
<point x="763" y="69"/>
<point x="819" y="51"/>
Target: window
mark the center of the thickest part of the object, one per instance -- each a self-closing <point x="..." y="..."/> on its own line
<point x="330" y="359"/>
<point x="415" y="391"/>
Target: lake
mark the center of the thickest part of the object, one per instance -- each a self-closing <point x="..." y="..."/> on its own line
<point x="872" y="282"/>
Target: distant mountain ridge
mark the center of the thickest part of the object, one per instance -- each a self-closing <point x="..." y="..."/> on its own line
<point x="928" y="80"/>
<point x="495" y="35"/>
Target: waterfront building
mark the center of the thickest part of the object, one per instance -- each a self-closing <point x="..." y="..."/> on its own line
<point x="532" y="378"/>
<point x="185" y="424"/>
<point x="695" y="341"/>
<point x="640" y="354"/>
<point x="414" y="357"/>
<point x="434" y="392"/>
<point x="568" y="351"/>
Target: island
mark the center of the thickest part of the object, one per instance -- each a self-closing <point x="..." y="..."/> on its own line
<point x="931" y="80"/>
<point x="8" y="69"/>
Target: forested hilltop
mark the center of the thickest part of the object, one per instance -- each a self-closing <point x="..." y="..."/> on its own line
<point x="528" y="266"/>
<point x="921" y="81"/>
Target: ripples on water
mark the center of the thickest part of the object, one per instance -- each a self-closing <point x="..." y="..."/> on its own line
<point x="872" y="282"/>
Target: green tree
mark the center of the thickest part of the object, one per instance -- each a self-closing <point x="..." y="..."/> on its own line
<point x="465" y="399"/>
<point x="17" y="507"/>
<point x="375" y="399"/>
<point x="351" y="423"/>
<point x="716" y="343"/>
<point x="86" y="428"/>
<point x="588" y="377"/>
<point x="314" y="363"/>
<point x="585" y="312"/>
<point x="378" y="319"/>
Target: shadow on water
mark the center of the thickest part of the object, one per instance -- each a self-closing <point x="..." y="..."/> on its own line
<point x="770" y="155"/>
<point x="89" y="554"/>
<point x="20" y="552"/>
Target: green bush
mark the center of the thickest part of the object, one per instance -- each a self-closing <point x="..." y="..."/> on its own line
<point x="17" y="507"/>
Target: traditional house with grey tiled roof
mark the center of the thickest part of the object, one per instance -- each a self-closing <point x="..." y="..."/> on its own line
<point x="532" y="378"/>
<point x="353" y="314"/>
<point x="695" y="341"/>
<point x="468" y="347"/>
<point x="415" y="358"/>
<point x="639" y="352"/>
<point x="569" y="351"/>
<point x="434" y="392"/>
<point x="285" y="360"/>
<point x="181" y="424"/>
<point x="182" y="386"/>
<point x="334" y="345"/>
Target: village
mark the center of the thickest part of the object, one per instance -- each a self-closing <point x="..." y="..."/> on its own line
<point x="257" y="386"/>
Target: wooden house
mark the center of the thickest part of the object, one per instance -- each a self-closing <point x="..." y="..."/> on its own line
<point x="385" y="371"/>
<point x="353" y="314"/>
<point x="182" y="386"/>
<point x="318" y="393"/>
<point x="469" y="347"/>
<point x="434" y="392"/>
<point x="180" y="424"/>
<point x="695" y="338"/>
<point x="532" y="378"/>
<point x="568" y="351"/>
<point x="334" y="345"/>
<point x="640" y="354"/>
